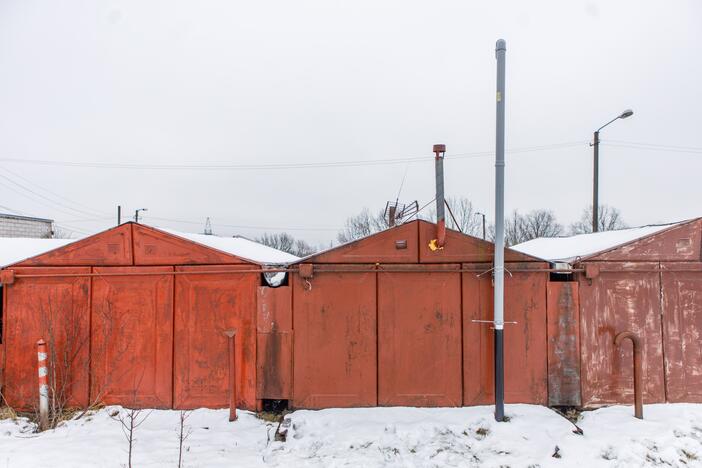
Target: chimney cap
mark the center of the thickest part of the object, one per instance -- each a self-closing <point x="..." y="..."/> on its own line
<point x="439" y="148"/>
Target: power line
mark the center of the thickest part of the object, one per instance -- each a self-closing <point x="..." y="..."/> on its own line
<point x="90" y="209"/>
<point x="647" y="147"/>
<point x="655" y="145"/>
<point x="241" y="226"/>
<point x="280" y="166"/>
<point x="45" y="198"/>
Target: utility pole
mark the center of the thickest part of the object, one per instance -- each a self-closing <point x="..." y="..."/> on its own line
<point x="119" y="215"/>
<point x="596" y="170"/>
<point x="483" y="215"/>
<point x="499" y="267"/>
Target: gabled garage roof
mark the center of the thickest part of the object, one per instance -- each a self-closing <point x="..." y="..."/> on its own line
<point x="138" y="244"/>
<point x="673" y="241"/>
<point x="409" y="243"/>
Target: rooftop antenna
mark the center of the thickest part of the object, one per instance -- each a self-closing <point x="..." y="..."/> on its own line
<point x="208" y="227"/>
<point x="395" y="211"/>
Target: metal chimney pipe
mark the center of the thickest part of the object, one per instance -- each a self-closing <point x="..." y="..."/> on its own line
<point x="499" y="270"/>
<point x="440" y="151"/>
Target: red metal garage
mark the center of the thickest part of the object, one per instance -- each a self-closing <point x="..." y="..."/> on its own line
<point x="386" y="320"/>
<point x="645" y="280"/>
<point x="140" y="310"/>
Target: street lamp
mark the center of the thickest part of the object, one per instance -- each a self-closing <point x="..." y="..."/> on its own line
<point x="595" y="181"/>
<point x="483" y="215"/>
<point x="136" y="214"/>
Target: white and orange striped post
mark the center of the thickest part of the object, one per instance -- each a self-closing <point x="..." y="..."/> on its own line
<point x="42" y="357"/>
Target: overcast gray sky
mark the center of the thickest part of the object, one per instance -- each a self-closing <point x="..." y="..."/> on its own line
<point x="277" y="82"/>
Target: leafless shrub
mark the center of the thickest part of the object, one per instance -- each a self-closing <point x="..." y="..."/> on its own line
<point x="183" y="434"/>
<point x="130" y="420"/>
<point x="68" y="340"/>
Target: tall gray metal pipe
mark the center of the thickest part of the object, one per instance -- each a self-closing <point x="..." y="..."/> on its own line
<point x="499" y="270"/>
<point x="439" y="151"/>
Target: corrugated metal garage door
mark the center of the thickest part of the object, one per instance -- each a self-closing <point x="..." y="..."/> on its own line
<point x="57" y="310"/>
<point x="419" y="336"/>
<point x="132" y="337"/>
<point x="682" y="322"/>
<point x="335" y="338"/>
<point x="625" y="297"/>
<point x="206" y="305"/>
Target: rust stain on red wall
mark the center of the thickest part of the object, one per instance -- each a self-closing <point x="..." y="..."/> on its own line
<point x="132" y="337"/>
<point x="419" y="337"/>
<point x="56" y="310"/>
<point x="206" y="306"/>
<point x="274" y="343"/>
<point x="563" y="344"/>
<point x="623" y="297"/>
<point x="334" y="320"/>
<point x="682" y="322"/>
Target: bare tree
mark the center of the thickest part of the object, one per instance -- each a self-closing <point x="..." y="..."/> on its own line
<point x="521" y="228"/>
<point x="363" y="224"/>
<point x="287" y="243"/>
<point x="461" y="215"/>
<point x="609" y="219"/>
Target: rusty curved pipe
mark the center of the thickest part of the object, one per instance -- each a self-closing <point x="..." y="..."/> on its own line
<point x="638" y="369"/>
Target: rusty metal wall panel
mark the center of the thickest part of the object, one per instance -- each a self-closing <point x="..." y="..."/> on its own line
<point x="624" y="296"/>
<point x="274" y="343"/>
<point x="525" y="342"/>
<point x="274" y="366"/>
<point x="206" y="306"/>
<point x="132" y="337"/>
<point x="461" y="248"/>
<point x="478" y="345"/>
<point x="681" y="243"/>
<point x="394" y="245"/>
<point x="682" y="329"/>
<point x="111" y="247"/>
<point x="154" y="247"/>
<point x="419" y="337"/>
<point x="274" y="309"/>
<point x="56" y="310"/>
<point x="335" y="357"/>
<point x="563" y="344"/>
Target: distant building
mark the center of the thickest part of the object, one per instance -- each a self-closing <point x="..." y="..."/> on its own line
<point x="25" y="226"/>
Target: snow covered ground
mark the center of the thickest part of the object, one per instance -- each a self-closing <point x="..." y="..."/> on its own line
<point x="671" y="435"/>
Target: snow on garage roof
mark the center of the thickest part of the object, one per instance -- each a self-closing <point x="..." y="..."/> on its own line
<point x="239" y="246"/>
<point x="16" y="249"/>
<point x="567" y="249"/>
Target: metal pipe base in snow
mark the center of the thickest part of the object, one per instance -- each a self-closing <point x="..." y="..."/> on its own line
<point x="638" y="369"/>
<point x="499" y="376"/>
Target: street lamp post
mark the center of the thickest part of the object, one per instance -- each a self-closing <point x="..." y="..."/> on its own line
<point x="596" y="169"/>
<point x="136" y="214"/>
